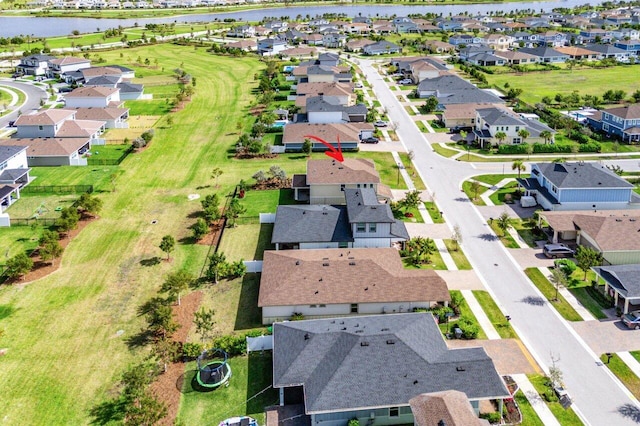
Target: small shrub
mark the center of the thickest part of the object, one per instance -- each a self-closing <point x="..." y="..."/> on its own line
<point x="297" y="316"/>
<point x="148" y="135"/>
<point x="493" y="418"/>
<point x="139" y="143"/>
<point x="567" y="266"/>
<point x="353" y="422"/>
<point x="440" y="313"/>
<point x="469" y="329"/>
<point x="191" y="350"/>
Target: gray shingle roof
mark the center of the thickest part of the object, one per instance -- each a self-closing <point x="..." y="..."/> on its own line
<point x="6" y="190"/>
<point x="451" y="89"/>
<point x="102" y="80"/>
<point x="605" y="49"/>
<point x="130" y="88"/>
<point x="7" y="152"/>
<point x="581" y="175"/>
<point x="363" y="206"/>
<point x="311" y="223"/>
<point x="498" y="117"/>
<point x="624" y="278"/>
<point x="376" y="361"/>
<point x="11" y="175"/>
<point x="543" y="52"/>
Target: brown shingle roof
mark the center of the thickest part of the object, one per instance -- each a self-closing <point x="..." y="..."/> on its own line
<point x="79" y="128"/>
<point x="98" y="71"/>
<point x="66" y="60"/>
<point x="332" y="89"/>
<point x="351" y="170"/>
<point x="627" y="112"/>
<point x="100" y="113"/>
<point x="348" y="132"/>
<point x="365" y="275"/>
<point x="48" y="147"/>
<point x="456" y="111"/>
<point x="563" y="220"/>
<point x="451" y="408"/>
<point x="611" y="232"/>
<point x="47" y="117"/>
<point x="92" y="92"/>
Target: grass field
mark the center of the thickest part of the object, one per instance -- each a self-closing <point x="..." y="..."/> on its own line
<point x="529" y="416"/>
<point x="101" y="280"/>
<point x="16" y="239"/>
<point x="46" y="206"/>
<point x="624" y="373"/>
<point x="548" y="290"/>
<point x="246" y="241"/>
<point x="495" y="315"/>
<point x="108" y="152"/>
<point x="458" y="255"/>
<point x="443" y="150"/>
<point x="537" y="85"/>
<point x="434" y="212"/>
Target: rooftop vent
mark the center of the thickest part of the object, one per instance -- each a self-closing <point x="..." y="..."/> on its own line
<point x="385" y="329"/>
<point x="359" y="331"/>
<point x="306" y="336"/>
<point x="391" y="342"/>
<point x="364" y="343"/>
<point x="460" y="368"/>
<point x="366" y="288"/>
<point x="297" y="262"/>
<point x="415" y="382"/>
<point x="352" y="263"/>
<point x="632" y="220"/>
<point x="317" y="291"/>
<point x="350" y="257"/>
<point x="618" y="220"/>
<point x="344" y="329"/>
<point x="325" y="264"/>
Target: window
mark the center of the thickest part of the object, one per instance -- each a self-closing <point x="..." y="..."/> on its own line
<point x="342" y="187"/>
<point x="343" y="244"/>
<point x="3" y="165"/>
<point x="370" y="185"/>
<point x="312" y="306"/>
<point x="517" y="128"/>
<point x="322" y="306"/>
<point x="372" y="227"/>
<point x="40" y="128"/>
<point x="361" y="227"/>
<point x="354" y="308"/>
<point x="357" y="185"/>
<point x="394" y="411"/>
<point x="554" y="189"/>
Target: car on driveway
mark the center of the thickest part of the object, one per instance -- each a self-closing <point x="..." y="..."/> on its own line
<point x="380" y="123"/>
<point x="632" y="320"/>
<point x="553" y="251"/>
<point x="405" y="81"/>
<point x="370" y="140"/>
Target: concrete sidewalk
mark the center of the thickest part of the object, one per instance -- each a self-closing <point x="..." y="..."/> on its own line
<point x="575" y="303"/>
<point x="541" y="409"/>
<point x="482" y="318"/>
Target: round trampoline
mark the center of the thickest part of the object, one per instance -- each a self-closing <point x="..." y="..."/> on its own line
<point x="213" y="370"/>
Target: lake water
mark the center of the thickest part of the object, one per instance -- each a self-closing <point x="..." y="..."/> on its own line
<point x="50" y="27"/>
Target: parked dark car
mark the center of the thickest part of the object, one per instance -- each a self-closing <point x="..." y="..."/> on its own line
<point x="370" y="140"/>
<point x="553" y="251"/>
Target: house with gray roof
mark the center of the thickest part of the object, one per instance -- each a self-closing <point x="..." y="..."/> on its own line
<point x="325" y="110"/>
<point x="608" y="51"/>
<point x="370" y="367"/>
<point x="622" y="282"/>
<point x="364" y="222"/>
<point x="491" y="121"/>
<point x="451" y="89"/>
<point x="382" y="47"/>
<point x="578" y="186"/>
<point x="545" y="54"/>
<point x="34" y="64"/>
<point x="14" y="174"/>
<point x="623" y="122"/>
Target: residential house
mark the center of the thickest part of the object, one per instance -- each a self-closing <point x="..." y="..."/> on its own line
<point x="577" y="53"/>
<point x="14" y="174"/>
<point x="323" y="110"/>
<point x="552" y="39"/>
<point x="93" y="72"/>
<point x="326" y="180"/>
<point x="487" y="60"/>
<point x="448" y="407"/>
<point x="462" y="116"/>
<point x="271" y="46"/>
<point x="357" y="28"/>
<point x="114" y="118"/>
<point x="348" y="135"/>
<point x="632" y="47"/>
<point x="365" y="222"/>
<point x="468" y="52"/>
<point x="357" y="45"/>
<point x="578" y="186"/>
<point x="322" y="74"/>
<point x="343" y="369"/>
<point x="246" y="45"/>
<point x="313" y="39"/>
<point x="491" y="121"/>
<point x="328" y="59"/>
<point x="623" y="122"/>
<point x="334" y="39"/>
<point x="381" y="48"/>
<point x="277" y="26"/>
<point x="546" y="54"/>
<point x="449" y="25"/>
<point x="607" y="51"/>
<point x="42" y="124"/>
<point x="497" y="41"/>
<point x="524" y="39"/>
<point x="437" y="46"/>
<point x="336" y="93"/>
<point x="517" y="57"/>
<point x="93" y="97"/>
<point x="622" y="283"/>
<point x="52" y="151"/>
<point x="403" y="25"/>
<point x="34" y="64"/>
<point x="630" y="34"/>
<point x="464" y="40"/>
<point x="451" y="89"/>
<point x="594" y="35"/>
<point x="330" y="283"/>
<point x="299" y="52"/>
<point x="242" y="31"/>
<point x="131" y="91"/>
<point x="57" y="67"/>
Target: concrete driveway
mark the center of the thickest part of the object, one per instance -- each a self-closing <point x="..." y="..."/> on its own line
<point x="461" y="280"/>
<point x="382" y="146"/>
<point x="530" y="258"/>
<point x="514" y="210"/>
<point x="608" y="336"/>
<point x="508" y="355"/>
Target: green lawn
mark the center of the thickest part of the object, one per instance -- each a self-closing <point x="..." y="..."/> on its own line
<point x="149" y="107"/>
<point x="504" y="237"/>
<point x="246" y="241"/>
<point x="497" y="318"/>
<point x="465" y="311"/>
<point x="565" y="417"/>
<point x="415" y="218"/>
<point x="386" y="167"/>
<point x="499" y="197"/>
<point x="494" y="179"/>
<point x="436" y="263"/>
<point x="421" y="126"/>
<point x="107" y="152"/>
<point x="582" y="294"/>
<point x="257" y="202"/>
<point x="458" y="255"/>
<point x="434" y="212"/>
<point x="474" y="196"/>
<point x="548" y="290"/>
<point x="251" y="375"/>
<point x="443" y="150"/>
<point x="408" y="164"/>
<point x="103" y="279"/>
<point x="17" y="239"/>
<point x="525" y="231"/>
<point x="536" y="85"/>
<point x="624" y="373"/>
<point x="410" y="110"/>
<point x="529" y="415"/>
<point x="636" y="355"/>
<point x="46" y="206"/>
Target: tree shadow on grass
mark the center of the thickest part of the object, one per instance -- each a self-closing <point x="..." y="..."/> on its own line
<point x="195" y="214"/>
<point x="139" y="340"/>
<point x="152" y="261"/>
<point x="108" y="412"/>
<point x="248" y="314"/>
<point x="190" y="240"/>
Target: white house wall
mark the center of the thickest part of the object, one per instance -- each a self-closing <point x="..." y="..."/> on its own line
<point x="325" y="117"/>
<point x="18" y="161"/>
<point x="35" y="132"/>
<point x="86" y="102"/>
<point x="310" y="246"/>
<point x="380" y="417"/>
<point x="371" y="242"/>
<point x="589" y="206"/>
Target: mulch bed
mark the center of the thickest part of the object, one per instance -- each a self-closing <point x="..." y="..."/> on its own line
<point x="41" y="268"/>
<point x="166" y="386"/>
<point x="272" y="184"/>
<point x="214" y="235"/>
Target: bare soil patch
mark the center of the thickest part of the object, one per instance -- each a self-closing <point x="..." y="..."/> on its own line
<point x="214" y="235"/>
<point x="166" y="386"/>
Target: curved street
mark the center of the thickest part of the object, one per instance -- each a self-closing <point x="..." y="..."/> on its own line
<point x="599" y="398"/>
<point x="32" y="102"/>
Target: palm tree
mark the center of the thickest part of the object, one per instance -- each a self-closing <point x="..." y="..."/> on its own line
<point x="501" y="136"/>
<point x="546" y="135"/>
<point x="519" y="166"/>
<point x="503" y="222"/>
<point x="524" y="134"/>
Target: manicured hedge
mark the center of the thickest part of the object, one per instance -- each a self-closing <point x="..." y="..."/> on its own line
<point x="548" y="148"/>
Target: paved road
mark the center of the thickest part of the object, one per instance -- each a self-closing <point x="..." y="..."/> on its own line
<point x="32" y="103"/>
<point x="598" y="397"/>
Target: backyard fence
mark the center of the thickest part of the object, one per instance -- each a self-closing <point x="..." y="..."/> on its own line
<point x="260" y="343"/>
<point x="32" y="221"/>
<point x="267" y="218"/>
<point x="92" y="161"/>
<point x="253" y="266"/>
<point x="56" y="189"/>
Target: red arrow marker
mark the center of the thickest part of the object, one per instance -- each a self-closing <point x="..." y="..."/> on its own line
<point x="333" y="153"/>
